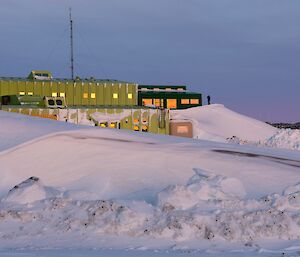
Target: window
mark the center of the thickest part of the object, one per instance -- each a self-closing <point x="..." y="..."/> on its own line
<point x="115" y="96"/>
<point x="130" y="96"/>
<point x="103" y="124"/>
<point x="185" y="101"/>
<point x="156" y="89"/>
<point x="21" y="93"/>
<point x="171" y="103"/>
<point x="157" y="102"/>
<point x="58" y="102"/>
<point x="182" y="129"/>
<point x="62" y="94"/>
<point x="180" y="89"/>
<point x="113" y="125"/>
<point x="136" y="128"/>
<point x="51" y="102"/>
<point x="85" y="95"/>
<point x="194" y="101"/>
<point x="30" y="93"/>
<point x="144" y="128"/>
<point x="168" y="89"/>
<point x="147" y="102"/>
<point x="135" y="120"/>
<point x="93" y="95"/>
<point x="54" y="94"/>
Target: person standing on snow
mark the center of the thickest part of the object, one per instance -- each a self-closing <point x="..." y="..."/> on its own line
<point x="208" y="99"/>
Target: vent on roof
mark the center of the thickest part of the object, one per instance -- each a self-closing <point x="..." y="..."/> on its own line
<point x="40" y="75"/>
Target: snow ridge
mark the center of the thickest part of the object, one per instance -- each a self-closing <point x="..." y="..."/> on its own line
<point x="214" y="211"/>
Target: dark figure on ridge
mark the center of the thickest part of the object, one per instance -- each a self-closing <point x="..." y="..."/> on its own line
<point x="208" y="99"/>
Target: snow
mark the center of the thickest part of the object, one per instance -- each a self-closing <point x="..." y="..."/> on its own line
<point x="29" y="191"/>
<point x="285" y="138"/>
<point x="216" y="122"/>
<point x="62" y="184"/>
<point x="202" y="186"/>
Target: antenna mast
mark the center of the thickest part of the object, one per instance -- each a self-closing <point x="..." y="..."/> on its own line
<point x="71" y="43"/>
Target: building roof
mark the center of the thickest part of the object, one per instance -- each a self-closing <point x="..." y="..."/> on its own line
<point x="66" y="80"/>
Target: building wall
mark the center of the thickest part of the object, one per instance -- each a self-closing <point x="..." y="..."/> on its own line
<point x="76" y="93"/>
<point x="182" y="100"/>
<point x="138" y="119"/>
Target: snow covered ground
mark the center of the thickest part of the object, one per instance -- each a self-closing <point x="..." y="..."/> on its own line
<point x="141" y="194"/>
<point x="229" y="126"/>
<point x="216" y="122"/>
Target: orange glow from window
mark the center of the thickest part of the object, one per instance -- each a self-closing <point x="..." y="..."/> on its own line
<point x="171" y="103"/>
<point x="194" y="101"/>
<point x="147" y="102"/>
<point x="157" y="102"/>
<point x="185" y="101"/>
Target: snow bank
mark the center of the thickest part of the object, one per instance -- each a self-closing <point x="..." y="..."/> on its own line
<point x="202" y="187"/>
<point x="29" y="191"/>
<point x="16" y="129"/>
<point x="216" y="212"/>
<point x="216" y="122"/>
<point x="285" y="138"/>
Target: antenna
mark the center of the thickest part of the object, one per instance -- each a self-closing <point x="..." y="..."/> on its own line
<point x="71" y="43"/>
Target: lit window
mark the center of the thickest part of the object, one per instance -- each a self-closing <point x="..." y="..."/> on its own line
<point x="147" y="102"/>
<point x="171" y="103"/>
<point x="194" y="101"/>
<point x="144" y="128"/>
<point x="180" y="89"/>
<point x="62" y="94"/>
<point x="157" y="102"/>
<point x="93" y="95"/>
<point x="54" y="94"/>
<point x="30" y="93"/>
<point x="185" y="101"/>
<point x="182" y="129"/>
<point x="136" y="128"/>
<point x="115" y="96"/>
<point x="135" y="120"/>
<point x="85" y="95"/>
<point x="129" y="96"/>
<point x="113" y="125"/>
<point x="21" y="93"/>
<point x="103" y="124"/>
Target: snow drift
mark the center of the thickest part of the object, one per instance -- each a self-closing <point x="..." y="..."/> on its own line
<point x="216" y="122"/>
<point x="213" y="214"/>
<point x="91" y="185"/>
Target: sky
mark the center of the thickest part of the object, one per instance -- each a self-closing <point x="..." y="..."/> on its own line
<point x="245" y="54"/>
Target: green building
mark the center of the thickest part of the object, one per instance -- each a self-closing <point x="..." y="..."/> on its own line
<point x="104" y="103"/>
<point x="95" y="92"/>
<point x="80" y="92"/>
<point x="167" y="96"/>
